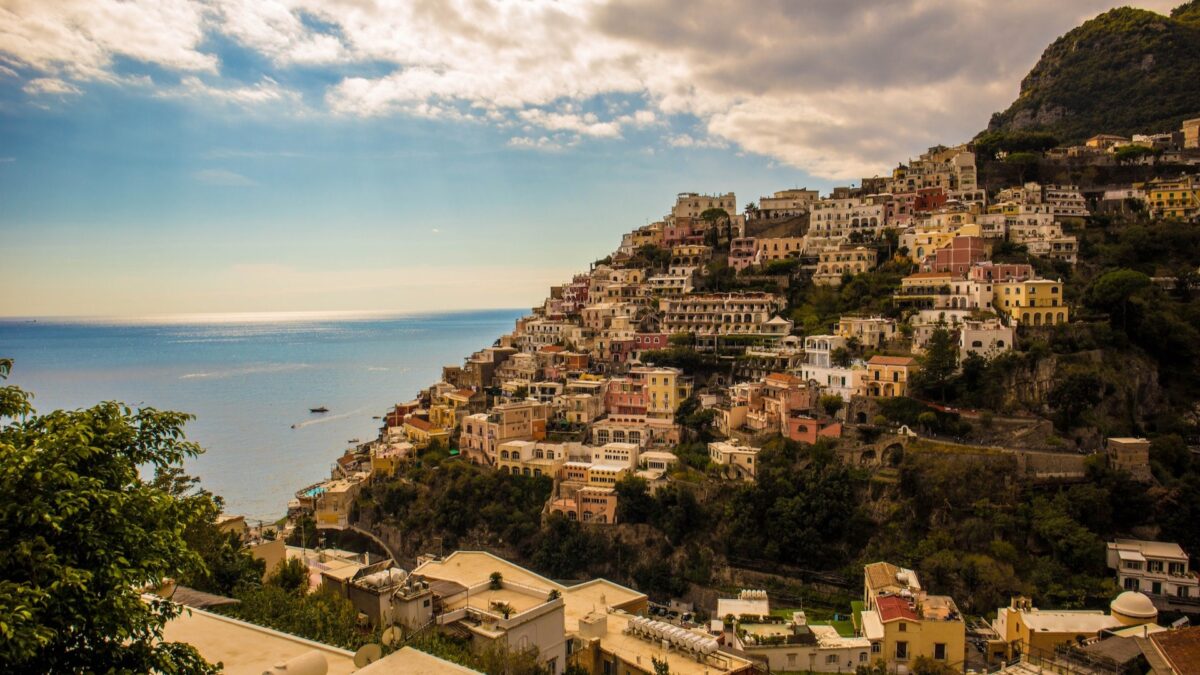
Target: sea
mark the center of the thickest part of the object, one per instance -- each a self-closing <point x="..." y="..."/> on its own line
<point x="250" y="380"/>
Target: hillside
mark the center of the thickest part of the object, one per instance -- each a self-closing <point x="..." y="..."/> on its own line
<point x="1126" y="71"/>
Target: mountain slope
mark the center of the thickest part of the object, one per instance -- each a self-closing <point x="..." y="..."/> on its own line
<point x="1126" y="71"/>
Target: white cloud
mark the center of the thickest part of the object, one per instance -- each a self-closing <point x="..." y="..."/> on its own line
<point x="838" y="88"/>
<point x="223" y="178"/>
<point x="264" y="91"/>
<point x="80" y="38"/>
<point x="689" y="141"/>
<point x="50" y="85"/>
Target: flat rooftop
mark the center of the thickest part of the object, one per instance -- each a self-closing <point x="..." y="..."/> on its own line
<point x="1081" y="621"/>
<point x="640" y="652"/>
<point x="409" y="661"/>
<point x="247" y="649"/>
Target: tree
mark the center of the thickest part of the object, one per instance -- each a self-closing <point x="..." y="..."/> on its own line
<point x="840" y="357"/>
<point x="1075" y="393"/>
<point x="291" y="575"/>
<point x="1024" y="161"/>
<point x="496" y="581"/>
<point x="83" y="533"/>
<point x="660" y="667"/>
<point x="939" y="363"/>
<point x="1114" y="291"/>
<point x="831" y="403"/>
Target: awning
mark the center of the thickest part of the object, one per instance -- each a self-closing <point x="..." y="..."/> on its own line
<point x="1127" y="554"/>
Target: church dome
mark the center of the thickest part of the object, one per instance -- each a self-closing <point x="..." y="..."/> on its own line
<point x="1134" y="605"/>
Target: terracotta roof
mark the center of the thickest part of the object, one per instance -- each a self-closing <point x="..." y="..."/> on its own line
<point x="554" y="348"/>
<point x="892" y="607"/>
<point x="465" y="393"/>
<point x="880" y="575"/>
<point x="927" y="275"/>
<point x="1181" y="648"/>
<point x="418" y="423"/>
<point x="784" y="378"/>
<point x="880" y="360"/>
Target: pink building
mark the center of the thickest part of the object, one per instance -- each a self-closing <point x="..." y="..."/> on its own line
<point x="957" y="257"/>
<point x="625" y="396"/>
<point x="990" y="271"/>
<point x="808" y="430"/>
<point x="742" y="253"/>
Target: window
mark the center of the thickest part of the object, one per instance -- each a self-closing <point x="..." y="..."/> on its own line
<point x="831" y="660"/>
<point x="876" y="647"/>
<point x="1131" y="584"/>
<point x="1154" y="566"/>
<point x="901" y="651"/>
<point x="862" y="657"/>
<point x="939" y="651"/>
<point x="903" y="627"/>
<point x="791" y="658"/>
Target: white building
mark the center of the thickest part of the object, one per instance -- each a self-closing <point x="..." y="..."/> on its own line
<point x="1153" y="567"/>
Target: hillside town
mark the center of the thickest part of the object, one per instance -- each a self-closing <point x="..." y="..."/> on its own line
<point x="685" y="352"/>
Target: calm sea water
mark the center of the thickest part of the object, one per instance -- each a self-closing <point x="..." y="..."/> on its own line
<point x="248" y="380"/>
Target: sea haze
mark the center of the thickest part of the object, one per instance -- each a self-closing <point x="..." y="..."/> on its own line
<point x="249" y="379"/>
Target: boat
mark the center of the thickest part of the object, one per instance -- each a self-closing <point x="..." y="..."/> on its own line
<point x="352" y="440"/>
<point x="321" y="409"/>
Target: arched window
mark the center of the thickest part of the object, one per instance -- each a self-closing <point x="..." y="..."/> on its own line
<point x="999" y="343"/>
<point x="503" y="454"/>
<point x="977" y="343"/>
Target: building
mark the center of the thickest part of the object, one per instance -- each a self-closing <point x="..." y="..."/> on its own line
<point x="888" y="376"/>
<point x="334" y="500"/>
<point x="693" y="205"/>
<point x="482" y="433"/>
<point x="870" y="331"/>
<point x="834" y="263"/>
<point x="834" y="219"/>
<point x="902" y="621"/>
<point x="1191" y="134"/>
<point x="1131" y="455"/>
<point x="769" y="249"/>
<point x="786" y="203"/>
<point x="1032" y="302"/>
<point x="1174" y="198"/>
<point x="788" y="644"/>
<point x="1177" y="651"/>
<point x="820" y="368"/>
<point x="598" y="632"/>
<point x="1023" y="630"/>
<point x="987" y="337"/>
<point x="710" y="315"/>
<point x="957" y="256"/>
<point x="1158" y="569"/>
<point x="739" y="461"/>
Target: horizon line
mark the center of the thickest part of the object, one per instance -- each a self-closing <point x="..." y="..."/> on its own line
<point x="249" y="316"/>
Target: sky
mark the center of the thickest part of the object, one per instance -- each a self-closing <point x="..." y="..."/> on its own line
<point x="185" y="156"/>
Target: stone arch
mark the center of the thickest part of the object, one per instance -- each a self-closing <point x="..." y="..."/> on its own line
<point x="861" y="417"/>
<point x="892" y="454"/>
<point x="867" y="457"/>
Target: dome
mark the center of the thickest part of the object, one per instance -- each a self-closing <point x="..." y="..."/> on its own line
<point x="1134" y="605"/>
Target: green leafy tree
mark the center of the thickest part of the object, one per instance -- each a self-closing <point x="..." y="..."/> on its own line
<point x="660" y="667"/>
<point x="291" y="575"/>
<point x="939" y="363"/>
<point x="831" y="403"/>
<point x="1075" y="393"/>
<point x="83" y="534"/>
<point x="1114" y="291"/>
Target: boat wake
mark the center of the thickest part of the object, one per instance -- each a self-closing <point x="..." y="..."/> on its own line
<point x="248" y="370"/>
<point x="328" y="418"/>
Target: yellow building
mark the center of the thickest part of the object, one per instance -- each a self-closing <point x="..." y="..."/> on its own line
<point x="1022" y="628"/>
<point x="1179" y="198"/>
<point x="904" y="622"/>
<point x="665" y="389"/>
<point x="421" y="433"/>
<point x="334" y="501"/>
<point x="888" y="375"/>
<point x="1033" y="302"/>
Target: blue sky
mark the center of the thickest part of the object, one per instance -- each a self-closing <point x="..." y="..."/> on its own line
<point x="173" y="157"/>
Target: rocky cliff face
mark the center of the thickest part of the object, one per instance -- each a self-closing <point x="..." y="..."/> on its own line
<point x="1126" y="71"/>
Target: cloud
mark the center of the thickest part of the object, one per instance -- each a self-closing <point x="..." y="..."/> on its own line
<point x="50" y="85"/>
<point x="223" y="178"/>
<point x="544" y="143"/>
<point x="80" y="38"/>
<point x="839" y="88"/>
<point x="264" y="91"/>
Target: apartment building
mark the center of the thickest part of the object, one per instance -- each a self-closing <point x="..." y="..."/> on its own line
<point x="838" y="218"/>
<point x="834" y="263"/>
<point x="1174" y="198"/>
<point x="870" y="331"/>
<point x="1156" y="568"/>
<point x="739" y="462"/>
<point x="768" y="249"/>
<point x="717" y="314"/>
<point x="483" y="433"/>
<point x="988" y="338"/>
<point x="888" y="376"/>
<point x="844" y="381"/>
<point x="786" y="203"/>
<point x="1032" y="302"/>
<point x="693" y="205"/>
<point x="903" y="621"/>
<point x="1023" y="630"/>
<point x="789" y="644"/>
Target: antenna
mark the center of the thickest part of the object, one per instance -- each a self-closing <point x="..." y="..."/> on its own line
<point x="368" y="653"/>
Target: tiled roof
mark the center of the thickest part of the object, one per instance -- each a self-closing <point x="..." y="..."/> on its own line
<point x="784" y="378"/>
<point x="892" y="607"/>
<point x="1181" y="648"/>
<point x="880" y="360"/>
<point x="418" y="423"/>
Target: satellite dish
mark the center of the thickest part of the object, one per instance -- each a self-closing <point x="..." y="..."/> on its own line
<point x="368" y="653"/>
<point x="391" y="636"/>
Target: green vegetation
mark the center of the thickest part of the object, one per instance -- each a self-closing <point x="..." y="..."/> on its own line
<point x="83" y="533"/>
<point x="1126" y="71"/>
